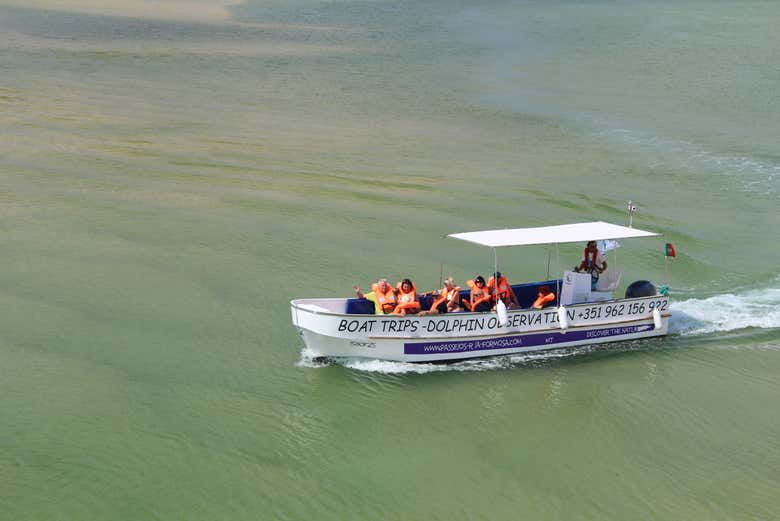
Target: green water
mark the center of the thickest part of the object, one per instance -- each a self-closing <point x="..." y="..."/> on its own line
<point x="170" y="180"/>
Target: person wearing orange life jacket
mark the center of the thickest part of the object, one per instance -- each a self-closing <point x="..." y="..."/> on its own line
<point x="503" y="291"/>
<point x="593" y="262"/>
<point x="408" y="304"/>
<point x="480" y="298"/>
<point x="545" y="296"/>
<point x="382" y="295"/>
<point x="448" y="300"/>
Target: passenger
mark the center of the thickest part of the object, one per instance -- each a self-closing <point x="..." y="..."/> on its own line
<point x="480" y="298"/>
<point x="593" y="262"/>
<point x="544" y="298"/>
<point x="504" y="291"/>
<point x="408" y="304"/>
<point x="382" y="295"/>
<point x="448" y="300"/>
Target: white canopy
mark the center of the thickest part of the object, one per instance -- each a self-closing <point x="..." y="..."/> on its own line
<point x="578" y="232"/>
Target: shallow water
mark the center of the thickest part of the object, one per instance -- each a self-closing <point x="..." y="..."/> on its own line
<point x="171" y="178"/>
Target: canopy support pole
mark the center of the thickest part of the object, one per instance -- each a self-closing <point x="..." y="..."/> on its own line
<point x="666" y="270"/>
<point x="549" y="254"/>
<point x="558" y="275"/>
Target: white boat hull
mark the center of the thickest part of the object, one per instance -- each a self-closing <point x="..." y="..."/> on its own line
<point x="459" y="336"/>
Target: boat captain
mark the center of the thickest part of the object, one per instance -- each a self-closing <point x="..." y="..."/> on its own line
<point x="593" y="262"/>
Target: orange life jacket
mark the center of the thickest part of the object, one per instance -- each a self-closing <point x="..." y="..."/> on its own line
<point x="590" y="263"/>
<point x="407" y="300"/>
<point x="445" y="296"/>
<point x="387" y="300"/>
<point x="477" y="295"/>
<point x="543" y="299"/>
<point x="503" y="287"/>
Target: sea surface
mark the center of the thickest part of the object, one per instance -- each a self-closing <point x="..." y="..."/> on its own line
<point x="174" y="172"/>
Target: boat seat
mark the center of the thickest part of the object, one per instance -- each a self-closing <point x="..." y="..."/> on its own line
<point x="363" y="306"/>
<point x="360" y="306"/>
<point x="526" y="295"/>
<point x="426" y="302"/>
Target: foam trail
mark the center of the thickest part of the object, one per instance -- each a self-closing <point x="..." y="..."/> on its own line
<point x="759" y="176"/>
<point x="482" y="364"/>
<point x="308" y="359"/>
<point x="754" y="308"/>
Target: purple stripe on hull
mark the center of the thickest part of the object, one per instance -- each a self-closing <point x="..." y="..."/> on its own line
<point x="512" y="342"/>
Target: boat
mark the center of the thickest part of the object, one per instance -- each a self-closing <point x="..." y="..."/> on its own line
<point x="579" y="315"/>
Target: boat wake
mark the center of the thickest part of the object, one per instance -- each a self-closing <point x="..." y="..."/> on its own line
<point x="480" y="364"/>
<point x="758" y="176"/>
<point x="758" y="308"/>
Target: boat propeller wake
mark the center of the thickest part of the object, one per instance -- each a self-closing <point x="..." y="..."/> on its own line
<point x="480" y="364"/>
<point x="759" y="308"/>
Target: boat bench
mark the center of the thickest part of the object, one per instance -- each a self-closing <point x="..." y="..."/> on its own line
<point x="526" y="295"/>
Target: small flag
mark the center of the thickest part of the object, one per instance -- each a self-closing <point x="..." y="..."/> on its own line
<point x="669" y="250"/>
<point x="607" y="245"/>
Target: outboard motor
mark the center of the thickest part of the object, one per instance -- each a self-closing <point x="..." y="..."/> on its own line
<point x="640" y="288"/>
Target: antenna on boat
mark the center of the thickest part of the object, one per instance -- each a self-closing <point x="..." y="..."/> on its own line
<point x="668" y="252"/>
<point x="558" y="273"/>
<point x="631" y="211"/>
<point x="441" y="273"/>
